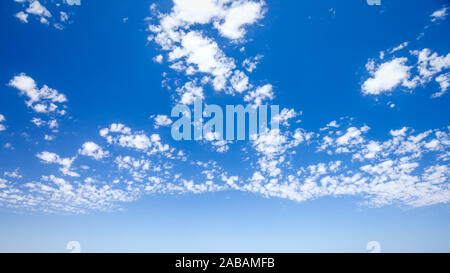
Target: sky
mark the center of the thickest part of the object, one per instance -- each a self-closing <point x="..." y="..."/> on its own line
<point x="361" y="155"/>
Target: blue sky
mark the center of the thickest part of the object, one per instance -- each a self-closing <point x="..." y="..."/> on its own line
<point x="362" y="153"/>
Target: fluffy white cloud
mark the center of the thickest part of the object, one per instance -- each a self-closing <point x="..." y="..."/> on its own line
<point x="352" y="136"/>
<point x="240" y="13"/>
<point x="261" y="94"/>
<point x="239" y="81"/>
<point x="65" y="163"/>
<point x="22" y="16"/>
<point x="192" y="52"/>
<point x="121" y="135"/>
<point x="250" y="63"/>
<point x="14" y="174"/>
<point x="52" y="124"/>
<point x="229" y="17"/>
<point x="162" y="121"/>
<point x="444" y="83"/>
<point x="190" y="92"/>
<point x="93" y="150"/>
<point x="391" y="74"/>
<point x="38" y="9"/>
<point x="430" y="63"/>
<point x="285" y="116"/>
<point x="206" y="57"/>
<point x="387" y="76"/>
<point x="159" y="58"/>
<point x="43" y="100"/>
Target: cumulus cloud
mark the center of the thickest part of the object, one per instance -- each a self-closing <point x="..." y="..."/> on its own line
<point x="36" y="9"/>
<point x="239" y="14"/>
<point x="387" y="76"/>
<point x="444" y="83"/>
<point x="190" y="92"/>
<point x="162" y="121"/>
<point x="91" y="149"/>
<point x="229" y="17"/>
<point x="260" y="94"/>
<point x="14" y="174"/>
<point x="250" y="63"/>
<point x="206" y="57"/>
<point x="121" y="135"/>
<point x="65" y="163"/>
<point x="192" y="52"/>
<point x="41" y="100"/>
<point x="285" y="116"/>
<point x="22" y="16"/>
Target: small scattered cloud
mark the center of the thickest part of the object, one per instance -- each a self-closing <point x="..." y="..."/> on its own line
<point x="440" y="14"/>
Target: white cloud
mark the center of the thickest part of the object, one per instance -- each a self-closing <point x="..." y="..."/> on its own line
<point x="444" y="83"/>
<point x="258" y="96"/>
<point x="43" y="100"/>
<point x="391" y="74"/>
<point x="270" y="143"/>
<point x="93" y="150"/>
<point x="239" y="81"/>
<point x="332" y="124"/>
<point x="439" y="14"/>
<point x="22" y="16"/>
<point x="284" y="116"/>
<point x="37" y="9"/>
<point x="49" y="137"/>
<point x="121" y="135"/>
<point x="240" y="13"/>
<point x="352" y="136"/>
<point x="52" y="124"/>
<point x="192" y="52"/>
<point x="63" y="16"/>
<point x="250" y="63"/>
<point x="205" y="55"/>
<point x="2" y="119"/>
<point x="65" y="163"/>
<point x="229" y="17"/>
<point x="162" y="120"/>
<point x="14" y="174"/>
<point x="430" y="63"/>
<point x="73" y="2"/>
<point x="190" y="92"/>
<point x="398" y="48"/>
<point x="158" y="59"/>
<point x="387" y="76"/>
<point x="115" y="128"/>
